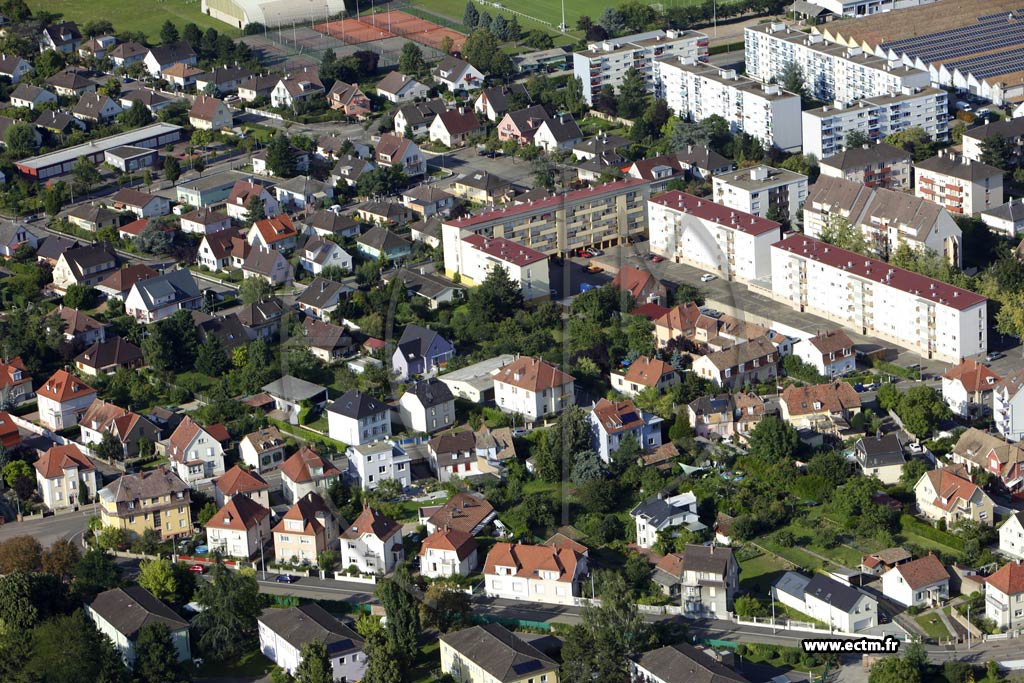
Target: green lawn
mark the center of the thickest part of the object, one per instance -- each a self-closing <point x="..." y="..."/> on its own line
<point x="427" y="661"/>
<point x="251" y="665"/>
<point x="757" y="573"/>
<point x="933" y="626"/>
<point x="911" y="537"/>
<point x="135" y="15"/>
<point x="795" y="555"/>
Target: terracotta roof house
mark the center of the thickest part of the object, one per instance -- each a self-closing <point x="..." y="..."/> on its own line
<point x="195" y="453"/>
<point x="127" y="427"/>
<point x="448" y="552"/>
<point x="453" y="127"/>
<point x="967" y="388"/>
<point x="977" y="449"/>
<point x="10" y="437"/>
<point x="533" y="388"/>
<point x="347" y="97"/>
<point x="878" y="563"/>
<point x="15" y="382"/>
<point x="535" y="573"/>
<point x="79" y="326"/>
<point x="240" y="482"/>
<point x="831" y="353"/>
<point x="61" y="474"/>
<point x="63" y="399"/>
<point x="120" y="282"/>
<point x="614" y="421"/>
<point x="943" y="495"/>
<point x="704" y="578"/>
<point x="464" y="511"/>
<point x="641" y="284"/>
<point x="644" y="373"/>
<point x="500" y="655"/>
<point x="307" y="472"/>
<point x="306" y="530"/>
<point x="392" y="150"/>
<point x="276" y="232"/>
<point x="238" y="528"/>
<point x="1003" y="590"/>
<point x="681" y="322"/>
<point x="825" y="408"/>
<point x="373" y="543"/>
<point x="919" y="583"/>
<point x="210" y="113"/>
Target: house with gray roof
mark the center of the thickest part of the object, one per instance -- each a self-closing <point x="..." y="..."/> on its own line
<point x="705" y="579"/>
<point x="881" y="456"/>
<point x="160" y="297"/>
<point x="434" y="288"/>
<point x="284" y="632"/>
<point x="357" y="418"/>
<point x="321" y="297"/>
<point x="427" y="406"/>
<point x="121" y="613"/>
<point x="379" y="242"/>
<point x="350" y="169"/>
<point x="13" y="235"/>
<point x="263" y="318"/>
<point x="840" y="605"/>
<point x="327" y="223"/>
<point x="658" y="514"/>
<point x="290" y="394"/>
<point x="502" y="655"/>
<point x="420" y="351"/>
<point x="682" y="663"/>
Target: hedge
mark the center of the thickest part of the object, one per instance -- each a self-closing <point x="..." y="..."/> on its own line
<point x="893" y="369"/>
<point x="916" y="526"/>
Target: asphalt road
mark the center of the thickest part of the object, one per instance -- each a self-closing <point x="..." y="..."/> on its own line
<point x="46" y="530"/>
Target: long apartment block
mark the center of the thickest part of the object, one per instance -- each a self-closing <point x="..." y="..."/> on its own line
<point x="825" y="129"/>
<point x="831" y="72"/>
<point x="696" y="90"/>
<point x="600" y="216"/>
<point x="606" y="62"/>
<point x="932" y="318"/>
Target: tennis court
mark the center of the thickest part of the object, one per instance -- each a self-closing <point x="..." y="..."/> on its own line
<point x="388" y="25"/>
<point x="353" y="31"/>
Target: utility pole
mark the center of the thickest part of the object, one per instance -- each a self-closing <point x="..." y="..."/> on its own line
<point x="563" y="26"/>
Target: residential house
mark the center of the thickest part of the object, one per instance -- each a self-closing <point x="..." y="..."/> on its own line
<point x="205" y="221"/>
<point x="879" y="563"/>
<point x="128" y="428"/>
<point x="943" y="495"/>
<point x="978" y="450"/>
<point x="420" y="351"/>
<point x="658" y="515"/>
<point x="881" y="456"/>
<point x="160" y="297"/>
<point x="704" y="579"/>
<point x="223" y="250"/>
<point x="877" y="165"/>
<point x="427" y="406"/>
<point x="482" y="187"/>
<point x="825" y="408"/>
<point x="95" y="108"/>
<point x="429" y="230"/>
<point x="1008" y="406"/>
<point x="752" y="362"/>
<point x="325" y="341"/>
<point x="163" y="57"/>
<point x="14" y="67"/>
<point x="452" y="128"/>
<point x="65" y="477"/>
<point x="239" y="482"/>
<point x="27" y="96"/>
<point x="967" y="388"/>
<point x="59" y="123"/>
<point x="1004" y="594"/>
<point x="262" y="450"/>
<point x="73" y="82"/>
<point x="15" y="382"/>
<point x="466" y="512"/>
<point x="393" y="151"/>
<point x="319" y="253"/>
<point x="210" y="113"/>
<point x="1011" y="536"/>
<point x="493" y="103"/>
<point x="195" y="453"/>
<point x="683" y="322"/>
<point x="63" y="37"/>
<point x="666" y="664"/>
<point x="301" y="86"/>
<point x="923" y="582"/>
<point x="641" y="285"/>
<point x="306" y="530"/>
<point x="532" y="388"/>
<point x="262" y="319"/>
<point x="357" y="418"/>
<point x="380" y="243"/>
<point x="475" y="382"/>
<point x="257" y="86"/>
<point x="841" y="606"/>
<point x="349" y="170"/>
<point x="658" y="171"/>
<point x="142" y="204"/>
<point x="414" y="118"/>
<point x="153" y="499"/>
<point x="830" y="353"/>
<point x="456" y="74"/>
<point x="269" y="265"/>
<point x="347" y="97"/>
<point x="321" y="297"/>
<point x="377" y="461"/>
<point x="307" y="472"/>
<point x="78" y="326"/>
<point x="490" y="653"/>
<point x="326" y="223"/>
<point x="109" y="356"/>
<point x="1006" y="219"/>
<point x="535" y="573"/>
<point x="427" y="201"/>
<point x="277" y="233"/>
<point x="435" y="289"/>
<point x="372" y="544"/>
<point x="385" y="213"/>
<point x="285" y="632"/>
<point x="244" y="192"/>
<point x="522" y="125"/>
<point x="446" y="553"/>
<point x="713" y="415"/>
<point x="63" y="399"/>
<point x="148" y="98"/>
<point x="303" y="192"/>
<point x="453" y="454"/>
<point x="120" y="614"/>
<point x="613" y="421"/>
<point x="644" y="373"/>
<point x="397" y="87"/>
<point x="558" y="134"/>
<point x="222" y="81"/>
<point x="92" y="217"/>
<point x="239" y="528"/>
<point x="83" y="265"/>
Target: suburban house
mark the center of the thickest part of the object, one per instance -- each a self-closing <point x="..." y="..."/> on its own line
<point x="222" y="81"/>
<point x="490" y="653"/>
<point x="464" y="511"/>
<point x="321" y="297"/>
<point x="428" y="201"/>
<point x="879" y="563"/>
<point x="269" y="265"/>
<point x="641" y="284"/>
<point x="181" y="75"/>
<point x="665" y="664"/>
<point x="15" y="382"/>
<point x="371" y="463"/>
<point x="239" y="482"/>
<point x="196" y="453"/>
<point x="522" y="125"/>
<point x="923" y="582"/>
<point x="94" y="217"/>
<point x="319" y="253"/>
<point x="210" y="113"/>
<point x="307" y="472"/>
<point x="372" y="544"/>
<point x="63" y="37"/>
<point x="300" y="86"/>
<point x="160" y="297"/>
<point x="13" y="235"/>
<point x="14" y="67"/>
<point x="658" y="514"/>
<point x="152" y="499"/>
<point x="492" y="103"/>
<point x="752" y="362"/>
<point x="277" y="233"/>
<point x="398" y="87"/>
<point x="79" y="326"/>
<point x="824" y="408"/>
<point x="306" y="530"/>
<point x="303" y="191"/>
<point x="456" y="74"/>
<point x="119" y="283"/>
<point x="356" y="418"/>
<point x="284" y="632"/>
<point x="347" y="97"/>
<point x="27" y="96"/>
<point x="427" y="406"/>
<point x="830" y="353"/>
<point x="558" y="134"/>
<point x="245" y="192"/>
<point x="703" y="578"/>
<point x="292" y="395"/>
<point x="453" y="454"/>
<point x="84" y="265"/>
<point x="420" y="351"/>
<point x="380" y="243"/>
<point x="453" y="127"/>
<point x="163" y="56"/>
<point x="95" y="108"/>
<point x="967" y="388"/>
<point x="446" y="553"/>
<point x="62" y="474"/>
<point x="121" y="613"/>
<point x="257" y="86"/>
<point x="1004" y="596"/>
<point x="263" y="449"/>
<point x="128" y="428"/>
<point x="978" y="450"/>
<point x="482" y="187"/>
<point x="535" y="573"/>
<point x="839" y="605"/>
<point x="943" y="495"/>
<point x="204" y="221"/>
<point x="1007" y="406"/>
<point x="392" y="150"/>
<point x="532" y="388"/>
<point x="223" y="250"/>
<point x="881" y="456"/>
<point x="239" y="528"/>
<point x="613" y="421"/>
<point x="263" y="318"/>
<point x="326" y="223"/>
<point x="325" y="341"/>
<point x="63" y="400"/>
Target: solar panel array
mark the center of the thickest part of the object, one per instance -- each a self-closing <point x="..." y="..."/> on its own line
<point x="987" y="66"/>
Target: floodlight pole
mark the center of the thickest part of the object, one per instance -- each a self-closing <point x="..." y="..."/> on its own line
<point x="564" y="27"/>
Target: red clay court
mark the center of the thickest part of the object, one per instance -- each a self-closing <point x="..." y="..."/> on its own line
<point x="388" y="25"/>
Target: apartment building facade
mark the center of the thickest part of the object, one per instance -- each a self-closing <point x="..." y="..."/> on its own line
<point x="960" y="185"/>
<point x="867" y="295"/>
<point x="760" y="189"/>
<point x="476" y="255"/>
<point x="876" y="165"/>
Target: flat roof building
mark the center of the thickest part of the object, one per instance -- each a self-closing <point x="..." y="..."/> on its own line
<point x="60" y="162"/>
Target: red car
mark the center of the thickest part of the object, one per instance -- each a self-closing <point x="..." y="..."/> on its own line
<point x="586" y="254"/>
<point x="657" y="259"/>
<point x="197" y="569"/>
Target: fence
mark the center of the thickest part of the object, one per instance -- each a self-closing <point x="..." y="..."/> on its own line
<point x="962" y="620"/>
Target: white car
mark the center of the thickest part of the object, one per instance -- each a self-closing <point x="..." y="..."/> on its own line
<point x="707" y="277"/>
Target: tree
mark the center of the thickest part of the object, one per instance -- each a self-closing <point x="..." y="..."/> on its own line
<point x="109" y="448"/>
<point x="231" y="602"/>
<point x="206" y="513"/>
<point x="499" y="27"/>
<point x="615" y="629"/>
<point x="254" y="209"/>
<point x="403" y="630"/>
<point x="793" y="79"/>
<point x="69" y="649"/>
<point x="842" y="234"/>
<point x="921" y="408"/>
<point x="21" y="140"/>
<point x="212" y="360"/>
<point x="15" y="470"/>
<point x="445" y="606"/>
<point x="156" y="658"/>
<point x="773" y="440"/>
<point x="172" y="168"/>
<point x="612" y="21"/>
<point x="485" y="21"/>
<point x="749" y="606"/>
<point x="632" y="94"/>
<point x="255" y="289"/>
<point x="95" y="573"/>
<point x="856" y="138"/>
<point x="411" y="61"/>
<point x="84" y="175"/>
<point x="447" y="45"/>
<point x="20" y="553"/>
<point x="913" y="470"/>
<point x="383" y="665"/>
<point x="60" y="559"/>
<point x="471" y="17"/>
<point x="79" y="296"/>
<point x="586" y="466"/>
<point x="157" y="576"/>
<point x="154" y="239"/>
<point x="543" y="173"/>
<point x="515" y="32"/>
<point x="281" y="156"/>
<point x="169" y="33"/>
<point x="314" y="666"/>
<point x="996" y="150"/>
<point x="894" y="670"/>
<point x="483" y="51"/>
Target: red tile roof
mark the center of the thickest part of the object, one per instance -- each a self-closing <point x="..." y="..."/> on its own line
<point x="463" y="511"/>
<point x="634" y="280"/>
<point x="53" y="462"/>
<point x="10" y="369"/>
<point x="306" y="509"/>
<point x="722" y="215"/>
<point x="528" y="560"/>
<point x="973" y="375"/>
<point x="298" y="467"/>
<point x="9" y="434"/>
<point x="647" y="371"/>
<point x="239" y="514"/>
<point x="459" y="542"/>
<point x="532" y="374"/>
<point x="505" y="250"/>
<point x="373" y="522"/>
<point x="63" y="386"/>
<point x="124" y="279"/>
<point x="1009" y="580"/>
<point x="615" y="417"/>
<point x="276" y="228"/>
<point x="836" y="397"/>
<point x="923" y="572"/>
<point x="237" y="480"/>
<point x="682" y="318"/>
<point x="950" y="487"/>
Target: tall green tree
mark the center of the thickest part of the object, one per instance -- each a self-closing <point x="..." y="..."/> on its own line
<point x="793" y="79"/>
<point x="410" y="61"/>
<point x="314" y="666"/>
<point x="231" y="605"/>
<point x="169" y="33"/>
<point x="281" y="156"/>
<point x="632" y="94"/>
<point x="212" y="359"/>
<point x="156" y="659"/>
<point x="20" y="139"/>
<point x="403" y="631"/>
<point x="471" y="17"/>
<point x="773" y="440"/>
<point x="95" y="573"/>
<point x="84" y="175"/>
<point x="157" y="576"/>
<point x="172" y="168"/>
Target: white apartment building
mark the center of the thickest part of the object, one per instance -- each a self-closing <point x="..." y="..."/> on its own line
<point x="356" y="418"/>
<point x="1008" y="407"/>
<point x="732" y="244"/>
<point x="62" y="473"/>
<point x="886" y="218"/>
<point x="831" y="72"/>
<point x="532" y="388"/>
<point x="959" y="184"/>
<point x="474" y="256"/>
<point x="696" y="90"/>
<point x="759" y="189"/>
<point x="1011" y="537"/>
<point x="607" y="62"/>
<point x="929" y="317"/>
<point x="825" y="129"/>
<point x="876" y="165"/>
<point x="372" y="463"/>
<point x="239" y="528"/>
<point x="373" y="543"/>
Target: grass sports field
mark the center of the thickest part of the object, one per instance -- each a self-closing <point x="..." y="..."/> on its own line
<point x="146" y="16"/>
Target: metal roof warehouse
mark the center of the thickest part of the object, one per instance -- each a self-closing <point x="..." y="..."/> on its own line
<point x="60" y="162"/>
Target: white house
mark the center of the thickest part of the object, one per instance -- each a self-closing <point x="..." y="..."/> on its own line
<point x="829" y="352"/>
<point x="657" y="514"/>
<point x="356" y="418"/>
<point x="392" y="151"/>
<point x="307" y="472"/>
<point x="474" y="256"/>
<point x="284" y="632"/>
<point x="453" y="454"/>
<point x="968" y="387"/>
<point x="239" y="528"/>
<point x="613" y="421"/>
<point x="427" y="406"/>
<point x="1004" y="596"/>
<point x="239" y="482"/>
<point x="923" y="582"/>
<point x="532" y="388"/>
<point x="397" y="87"/>
<point x="204" y="221"/>
<point x="300" y="86"/>
<point x="371" y="463"/>
<point x="306" y="530"/>
<point x="448" y="552"/>
<point x="263" y="449"/>
<point x="63" y="400"/>
<point x="762" y="190"/>
<point x="535" y="573"/>
<point x="160" y="297"/>
<point x="456" y="74"/>
<point x="373" y="543"/>
<point x="1006" y="219"/>
<point x="1011" y="537"/>
<point x="120" y="614"/>
<point x="319" y="253"/>
<point x="558" y="134"/>
<point x="842" y="607"/>
<point x="943" y="495"/>
<point x="644" y="373"/>
<point x="195" y="453"/>
<point x="1008" y="406"/>
<point x="61" y="474"/>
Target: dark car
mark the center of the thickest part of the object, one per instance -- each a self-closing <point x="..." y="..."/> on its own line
<point x="285" y="578"/>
